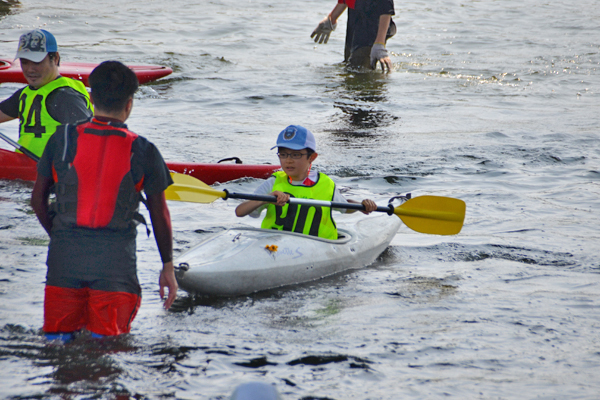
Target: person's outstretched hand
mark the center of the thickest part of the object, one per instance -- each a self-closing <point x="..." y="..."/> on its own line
<point x="323" y="30"/>
<point x="380" y="54"/>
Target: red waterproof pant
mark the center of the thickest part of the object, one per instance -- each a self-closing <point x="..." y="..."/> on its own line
<point x="101" y="312"/>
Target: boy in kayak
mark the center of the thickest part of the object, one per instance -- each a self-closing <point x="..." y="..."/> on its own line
<point x="50" y="99"/>
<point x="369" y="27"/>
<point x="98" y="169"/>
<point x="297" y="149"/>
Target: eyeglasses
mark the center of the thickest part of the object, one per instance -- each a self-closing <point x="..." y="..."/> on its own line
<point x="294" y="156"/>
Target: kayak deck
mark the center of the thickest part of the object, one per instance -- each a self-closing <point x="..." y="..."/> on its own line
<point x="243" y="260"/>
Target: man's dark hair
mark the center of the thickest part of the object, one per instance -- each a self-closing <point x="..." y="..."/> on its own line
<point x="54" y="54"/>
<point x="113" y="84"/>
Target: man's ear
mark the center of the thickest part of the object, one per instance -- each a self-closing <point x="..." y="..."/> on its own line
<point x="129" y="105"/>
<point x="312" y="157"/>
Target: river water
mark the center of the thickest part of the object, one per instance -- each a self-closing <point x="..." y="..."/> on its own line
<point x="492" y="102"/>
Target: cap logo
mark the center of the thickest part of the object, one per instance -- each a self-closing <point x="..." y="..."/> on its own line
<point x="289" y="133"/>
<point x="33" y="41"/>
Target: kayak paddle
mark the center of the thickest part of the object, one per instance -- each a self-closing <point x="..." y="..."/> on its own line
<point x="22" y="149"/>
<point x="425" y="214"/>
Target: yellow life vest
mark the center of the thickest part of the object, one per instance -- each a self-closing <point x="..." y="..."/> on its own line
<point x="35" y="123"/>
<point x="302" y="218"/>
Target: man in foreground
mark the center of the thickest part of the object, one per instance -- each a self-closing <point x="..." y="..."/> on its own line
<point x="98" y="169"/>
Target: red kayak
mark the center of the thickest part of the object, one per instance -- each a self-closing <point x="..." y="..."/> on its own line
<point x="10" y="71"/>
<point x="18" y="166"/>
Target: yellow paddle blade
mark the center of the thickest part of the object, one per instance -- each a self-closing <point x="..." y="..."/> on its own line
<point x="188" y="188"/>
<point x="433" y="214"/>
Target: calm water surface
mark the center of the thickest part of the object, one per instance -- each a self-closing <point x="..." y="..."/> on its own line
<point x="493" y="102"/>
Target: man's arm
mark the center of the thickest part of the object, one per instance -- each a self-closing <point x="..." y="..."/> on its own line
<point x="163" y="233"/>
<point x="39" y="201"/>
<point x="9" y="108"/>
<point x="5" y="118"/>
<point x="384" y="24"/>
<point x="67" y="106"/>
<point x="378" y="52"/>
<point x="337" y="11"/>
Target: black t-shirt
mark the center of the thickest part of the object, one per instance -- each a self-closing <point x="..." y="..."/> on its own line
<point x="65" y="104"/>
<point x="363" y="22"/>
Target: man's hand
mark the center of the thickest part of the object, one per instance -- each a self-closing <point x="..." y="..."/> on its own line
<point x="167" y="279"/>
<point x="323" y="30"/>
<point x="380" y="54"/>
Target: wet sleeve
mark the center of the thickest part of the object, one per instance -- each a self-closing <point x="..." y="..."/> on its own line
<point x="386" y="7"/>
<point x="265" y="188"/>
<point x="156" y="173"/>
<point x="10" y="106"/>
<point x="161" y="223"/>
<point x="339" y="198"/>
<point x="67" y="106"/>
<point x="44" y="166"/>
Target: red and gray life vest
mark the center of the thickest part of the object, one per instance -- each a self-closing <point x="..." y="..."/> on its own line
<point x="96" y="189"/>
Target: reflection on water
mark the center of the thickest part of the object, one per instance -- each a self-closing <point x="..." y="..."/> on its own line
<point x="357" y="97"/>
<point x="84" y="367"/>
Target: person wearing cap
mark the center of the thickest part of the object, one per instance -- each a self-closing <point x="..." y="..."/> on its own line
<point x="368" y="28"/>
<point x="49" y="99"/>
<point x="98" y="169"/>
<point x="297" y="150"/>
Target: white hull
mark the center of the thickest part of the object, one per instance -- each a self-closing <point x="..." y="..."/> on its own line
<point x="237" y="261"/>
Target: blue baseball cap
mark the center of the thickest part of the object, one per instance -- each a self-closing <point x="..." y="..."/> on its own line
<point x="35" y="44"/>
<point x="296" y="137"/>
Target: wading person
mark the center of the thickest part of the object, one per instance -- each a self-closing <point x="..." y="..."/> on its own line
<point x="369" y="27"/>
<point x="98" y="169"/>
<point x="49" y="99"/>
<point x="297" y="149"/>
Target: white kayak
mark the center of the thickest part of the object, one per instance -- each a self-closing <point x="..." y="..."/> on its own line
<point x="243" y="260"/>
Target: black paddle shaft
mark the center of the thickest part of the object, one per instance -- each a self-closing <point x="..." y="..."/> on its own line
<point x="22" y="149"/>
<point x="272" y="199"/>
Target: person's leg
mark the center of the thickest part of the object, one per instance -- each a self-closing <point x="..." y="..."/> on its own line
<point x="111" y="313"/>
<point x="360" y="58"/>
<point x="64" y="312"/>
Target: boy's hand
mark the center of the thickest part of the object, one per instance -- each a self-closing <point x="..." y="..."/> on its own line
<point x="369" y="205"/>
<point x="282" y="198"/>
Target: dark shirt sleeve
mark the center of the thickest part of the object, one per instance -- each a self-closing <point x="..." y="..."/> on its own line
<point x="150" y="164"/>
<point x="10" y="106"/>
<point x="67" y="106"/>
<point x="44" y="166"/>
<point x="386" y="7"/>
